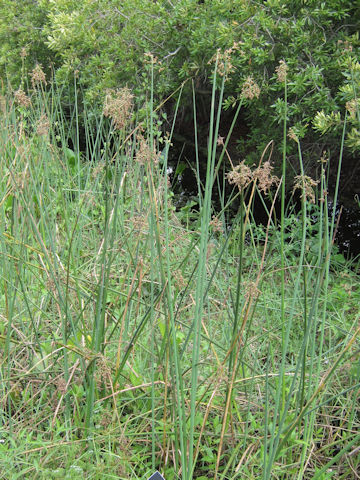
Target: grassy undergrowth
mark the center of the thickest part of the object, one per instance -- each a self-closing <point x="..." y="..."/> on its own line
<point x="132" y="339"/>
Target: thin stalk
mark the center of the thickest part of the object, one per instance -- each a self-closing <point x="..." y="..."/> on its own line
<point x="201" y="276"/>
<point x="200" y="196"/>
<point x="280" y="394"/>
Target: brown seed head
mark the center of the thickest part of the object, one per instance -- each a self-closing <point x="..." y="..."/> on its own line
<point x="292" y="135"/>
<point x="220" y="141"/>
<point x="61" y="385"/>
<point x="150" y="58"/>
<point x="144" y="154"/>
<point x="250" y="89"/>
<point x="307" y="185"/>
<point x="324" y="158"/>
<point x="118" y="105"/>
<point x="43" y="125"/>
<point x="2" y="104"/>
<point x="21" y="98"/>
<point x="216" y="224"/>
<point x="352" y="107"/>
<point x="251" y="291"/>
<point x="281" y="71"/>
<point x="241" y="176"/>
<point x="38" y="76"/>
<point x="264" y="177"/>
<point x="224" y="60"/>
<point x="24" y="53"/>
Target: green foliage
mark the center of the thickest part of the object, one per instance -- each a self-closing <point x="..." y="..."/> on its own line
<point x="348" y="93"/>
<point x="22" y="41"/>
<point x="106" y="43"/>
<point x="130" y="341"/>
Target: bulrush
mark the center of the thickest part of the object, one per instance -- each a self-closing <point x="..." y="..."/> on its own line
<point x="38" y="77"/>
<point x="118" y="106"/>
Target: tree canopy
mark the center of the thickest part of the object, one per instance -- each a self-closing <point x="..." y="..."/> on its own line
<point x="109" y="44"/>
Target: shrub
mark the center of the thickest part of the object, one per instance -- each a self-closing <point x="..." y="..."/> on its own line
<point x="22" y="42"/>
<point x="106" y="42"/>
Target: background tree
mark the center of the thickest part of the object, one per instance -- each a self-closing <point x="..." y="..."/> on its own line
<point x="106" y="43"/>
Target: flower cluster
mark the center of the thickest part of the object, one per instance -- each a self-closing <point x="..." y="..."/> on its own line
<point x="281" y="71"/>
<point x="242" y="176"/>
<point x="264" y="177"/>
<point x="145" y="154"/>
<point x="118" y="106"/>
<point x="21" y="98"/>
<point x="43" y="125"/>
<point x="250" y="89"/>
<point x="307" y="185"/>
<point x="224" y="60"/>
<point x="38" y="77"/>
<point x="217" y="225"/>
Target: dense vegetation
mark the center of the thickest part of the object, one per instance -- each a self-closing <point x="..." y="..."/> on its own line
<point x="107" y="44"/>
<point x="135" y="335"/>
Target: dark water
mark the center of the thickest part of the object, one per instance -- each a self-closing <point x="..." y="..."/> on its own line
<point x="347" y="238"/>
<point x="348" y="232"/>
